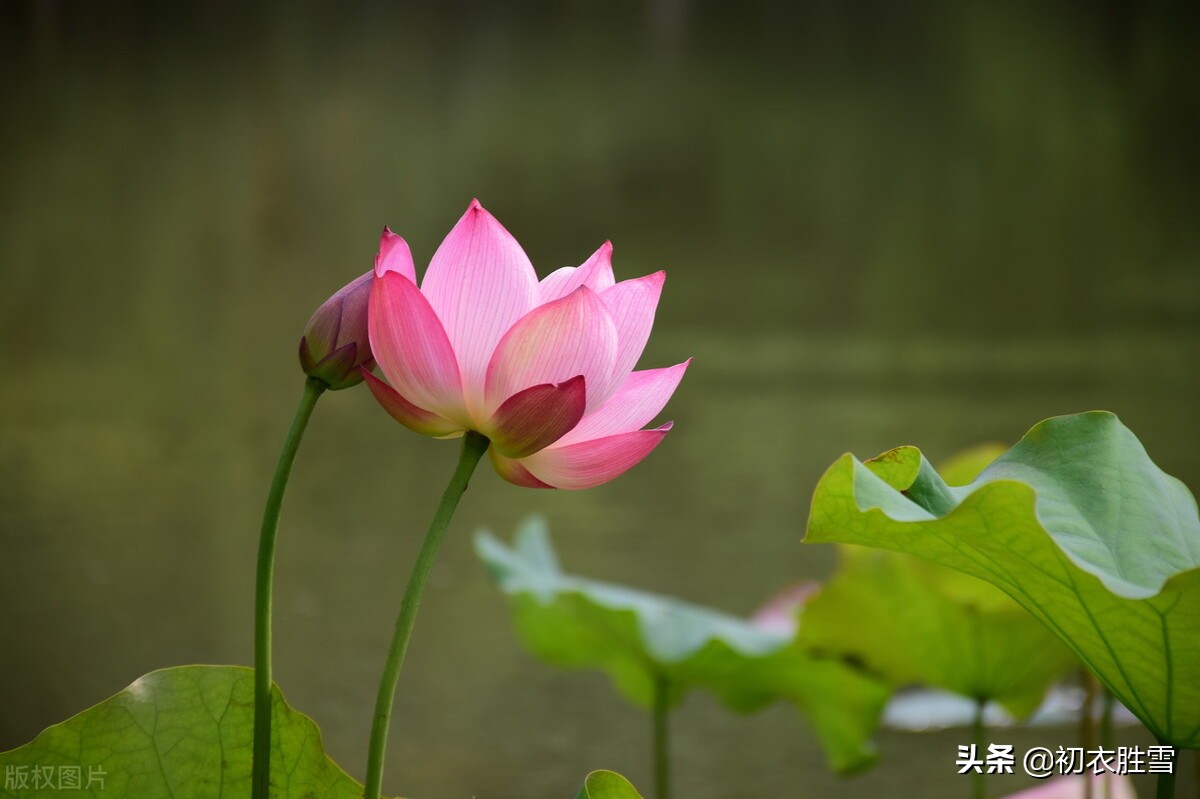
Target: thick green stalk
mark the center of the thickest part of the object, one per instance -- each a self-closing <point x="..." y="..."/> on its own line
<point x="1107" y="735"/>
<point x="979" y="789"/>
<point x="662" y="752"/>
<point x="261" y="777"/>
<point x="1087" y="725"/>
<point x="473" y="448"/>
<point x="1165" y="786"/>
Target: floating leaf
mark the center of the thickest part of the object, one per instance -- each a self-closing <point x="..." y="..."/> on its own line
<point x="640" y="639"/>
<point x="1075" y="523"/>
<point x="182" y="732"/>
<point x="607" y="785"/>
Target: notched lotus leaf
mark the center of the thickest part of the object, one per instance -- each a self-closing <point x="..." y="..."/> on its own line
<point x="640" y="639"/>
<point x="182" y="732"/>
<point x="1075" y="523"/>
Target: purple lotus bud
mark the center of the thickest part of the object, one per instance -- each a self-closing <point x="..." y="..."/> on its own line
<point x="335" y="344"/>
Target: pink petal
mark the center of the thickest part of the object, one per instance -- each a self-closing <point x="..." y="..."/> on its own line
<point x="596" y="273"/>
<point x="552" y="343"/>
<point x="639" y="399"/>
<point x="591" y="463"/>
<point x="411" y="347"/>
<point x="394" y="256"/>
<point x="537" y="417"/>
<point x="513" y="471"/>
<point x="780" y="613"/>
<point x="632" y="304"/>
<point x="479" y="283"/>
<point x="407" y="414"/>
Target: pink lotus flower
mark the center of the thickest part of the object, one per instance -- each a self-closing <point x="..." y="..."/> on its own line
<point x="544" y="370"/>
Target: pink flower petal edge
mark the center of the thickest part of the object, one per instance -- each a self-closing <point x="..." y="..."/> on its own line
<point x="632" y="304"/>
<point x="514" y="472"/>
<point x="634" y="405"/>
<point x="554" y="342"/>
<point x="416" y="419"/>
<point x="533" y="419"/>
<point x="411" y="347"/>
<point x="780" y="613"/>
<point x="596" y="273"/>
<point x="592" y="463"/>
<point x="394" y="256"/>
<point x="479" y="283"/>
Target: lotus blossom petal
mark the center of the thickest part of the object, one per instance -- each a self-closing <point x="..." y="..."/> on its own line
<point x="514" y="471"/>
<point x="411" y="347"/>
<point x="632" y="304"/>
<point x="780" y="614"/>
<point x="632" y="406"/>
<point x="553" y="343"/>
<point x="533" y="419"/>
<point x="591" y="463"/>
<point x="596" y="273"/>
<point x="479" y="283"/>
<point x="416" y="419"/>
<point x="394" y="256"/>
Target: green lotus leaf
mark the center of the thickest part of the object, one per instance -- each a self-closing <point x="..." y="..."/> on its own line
<point x="607" y="785"/>
<point x="182" y="732"/>
<point x="642" y="640"/>
<point x="915" y="622"/>
<point x="1076" y="524"/>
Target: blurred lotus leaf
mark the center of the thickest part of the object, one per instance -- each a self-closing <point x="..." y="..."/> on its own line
<point x="1075" y="523"/>
<point x="913" y="622"/>
<point x="182" y="732"/>
<point x="607" y="785"/>
<point x="641" y="639"/>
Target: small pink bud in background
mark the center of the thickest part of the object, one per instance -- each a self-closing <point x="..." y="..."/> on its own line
<point x="335" y="343"/>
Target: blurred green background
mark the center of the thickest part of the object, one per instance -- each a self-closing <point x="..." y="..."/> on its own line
<point x="882" y="224"/>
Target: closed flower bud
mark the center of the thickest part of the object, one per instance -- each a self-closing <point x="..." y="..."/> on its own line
<point x="335" y="343"/>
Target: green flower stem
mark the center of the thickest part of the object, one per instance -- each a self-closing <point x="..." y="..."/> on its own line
<point x="979" y="791"/>
<point x="1165" y="789"/>
<point x="1087" y="724"/>
<point x="1107" y="734"/>
<point x="1108" y="737"/>
<point x="662" y="753"/>
<point x="473" y="448"/>
<point x="264" y="581"/>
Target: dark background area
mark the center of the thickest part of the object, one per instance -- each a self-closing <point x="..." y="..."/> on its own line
<point x="882" y="224"/>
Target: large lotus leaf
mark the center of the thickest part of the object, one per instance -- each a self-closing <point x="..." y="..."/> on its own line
<point x="181" y="732"/>
<point x="641" y="639"/>
<point x="607" y="785"/>
<point x="915" y="622"/>
<point x="1075" y="523"/>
